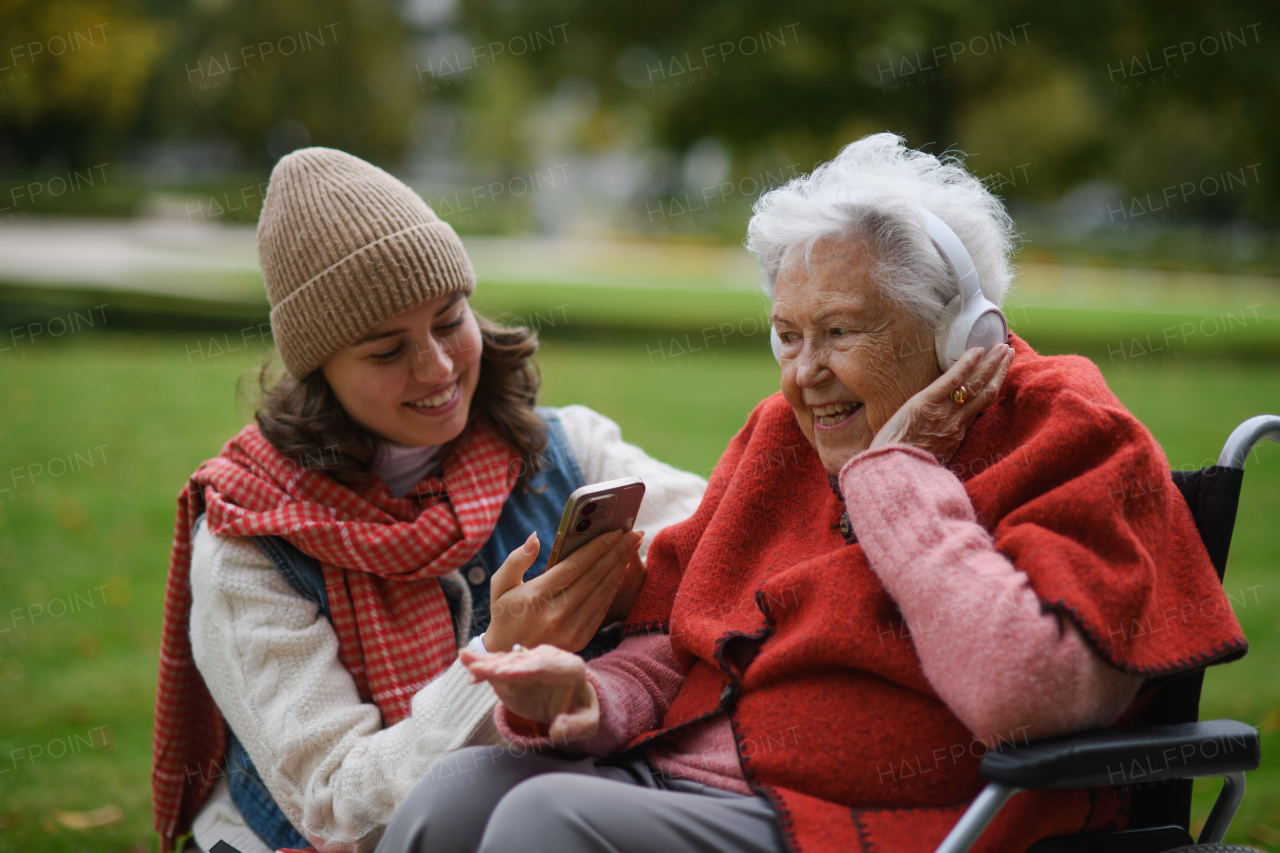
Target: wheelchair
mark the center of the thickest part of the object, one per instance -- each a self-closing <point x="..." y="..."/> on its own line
<point x="1168" y="745"/>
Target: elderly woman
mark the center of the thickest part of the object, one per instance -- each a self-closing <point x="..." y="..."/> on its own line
<point x="895" y="567"/>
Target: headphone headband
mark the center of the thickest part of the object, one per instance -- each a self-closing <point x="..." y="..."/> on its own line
<point x="949" y="245"/>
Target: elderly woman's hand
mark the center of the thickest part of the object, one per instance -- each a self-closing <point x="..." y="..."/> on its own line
<point x="545" y="685"/>
<point x="933" y="419"/>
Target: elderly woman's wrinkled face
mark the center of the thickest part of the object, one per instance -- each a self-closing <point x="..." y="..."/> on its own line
<point x="850" y="358"/>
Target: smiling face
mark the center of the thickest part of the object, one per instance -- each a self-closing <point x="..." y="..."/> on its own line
<point x="850" y="358"/>
<point x="411" y="378"/>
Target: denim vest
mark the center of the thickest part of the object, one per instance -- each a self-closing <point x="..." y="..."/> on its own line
<point x="537" y="509"/>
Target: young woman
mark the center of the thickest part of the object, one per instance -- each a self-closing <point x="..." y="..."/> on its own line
<point x="396" y="501"/>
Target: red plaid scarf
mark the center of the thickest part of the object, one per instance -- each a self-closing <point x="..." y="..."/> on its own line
<point x="380" y="555"/>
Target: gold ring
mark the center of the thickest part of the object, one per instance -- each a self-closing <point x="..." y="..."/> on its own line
<point x="960" y="395"/>
<point x="519" y="648"/>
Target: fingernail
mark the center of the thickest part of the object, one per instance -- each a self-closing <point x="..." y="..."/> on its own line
<point x="530" y="544"/>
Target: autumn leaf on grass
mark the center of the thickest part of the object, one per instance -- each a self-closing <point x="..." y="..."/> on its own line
<point x="87" y="820"/>
<point x="1268" y="835"/>
<point x="70" y="514"/>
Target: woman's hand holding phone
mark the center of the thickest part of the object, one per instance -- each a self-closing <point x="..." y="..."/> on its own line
<point x="628" y="589"/>
<point x="544" y="685"/>
<point x="566" y="604"/>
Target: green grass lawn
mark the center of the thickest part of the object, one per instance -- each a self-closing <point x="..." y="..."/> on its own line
<point x="84" y="547"/>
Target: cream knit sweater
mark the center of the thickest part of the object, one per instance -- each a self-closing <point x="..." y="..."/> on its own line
<point x="270" y="660"/>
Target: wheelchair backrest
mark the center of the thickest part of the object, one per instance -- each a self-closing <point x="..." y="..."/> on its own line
<point x="1213" y="495"/>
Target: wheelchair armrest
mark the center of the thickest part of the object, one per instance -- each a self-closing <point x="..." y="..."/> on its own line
<point x="1122" y="756"/>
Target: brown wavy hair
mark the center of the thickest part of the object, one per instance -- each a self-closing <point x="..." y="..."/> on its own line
<point x="303" y="419"/>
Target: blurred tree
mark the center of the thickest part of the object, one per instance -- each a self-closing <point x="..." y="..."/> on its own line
<point x="1129" y="98"/>
<point x="1141" y="95"/>
<point x="271" y="77"/>
<point x="81" y="79"/>
<point x="73" y="77"/>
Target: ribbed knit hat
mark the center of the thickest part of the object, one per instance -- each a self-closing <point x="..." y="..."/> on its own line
<point x="343" y="245"/>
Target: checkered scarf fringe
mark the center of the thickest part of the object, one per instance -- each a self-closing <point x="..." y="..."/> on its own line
<point x="380" y="556"/>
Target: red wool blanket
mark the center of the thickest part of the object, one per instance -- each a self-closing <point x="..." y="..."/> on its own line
<point x="773" y="617"/>
<point x="381" y="556"/>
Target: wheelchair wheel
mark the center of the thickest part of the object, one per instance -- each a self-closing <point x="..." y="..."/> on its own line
<point x="1214" y="848"/>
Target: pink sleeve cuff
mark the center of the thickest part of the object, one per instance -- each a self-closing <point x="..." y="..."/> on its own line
<point x="868" y="457"/>
<point x="518" y="730"/>
<point x="634" y="685"/>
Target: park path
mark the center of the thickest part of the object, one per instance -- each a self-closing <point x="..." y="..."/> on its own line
<point x="221" y="262"/>
<point x="199" y="260"/>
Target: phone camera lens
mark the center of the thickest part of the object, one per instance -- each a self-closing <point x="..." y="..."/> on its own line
<point x="582" y="526"/>
<point x="588" y="508"/>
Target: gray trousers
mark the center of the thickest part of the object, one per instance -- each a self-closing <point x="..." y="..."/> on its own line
<point x="492" y="800"/>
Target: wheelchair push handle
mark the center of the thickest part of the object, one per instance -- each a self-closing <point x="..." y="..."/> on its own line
<point x="1244" y="437"/>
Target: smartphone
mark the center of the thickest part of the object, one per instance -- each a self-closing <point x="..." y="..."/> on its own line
<point x="595" y="509"/>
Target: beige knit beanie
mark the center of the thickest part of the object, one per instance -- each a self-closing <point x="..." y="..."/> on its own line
<point x="343" y="245"/>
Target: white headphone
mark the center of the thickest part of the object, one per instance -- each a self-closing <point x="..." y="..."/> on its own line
<point x="978" y="323"/>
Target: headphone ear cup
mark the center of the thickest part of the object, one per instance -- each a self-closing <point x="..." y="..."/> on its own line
<point x="942" y="336"/>
<point x="980" y="323"/>
<point x="775" y="343"/>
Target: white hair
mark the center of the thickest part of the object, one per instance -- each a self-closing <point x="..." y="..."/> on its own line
<point x="873" y="192"/>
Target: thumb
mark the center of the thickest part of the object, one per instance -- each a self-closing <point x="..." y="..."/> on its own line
<point x="510" y="575"/>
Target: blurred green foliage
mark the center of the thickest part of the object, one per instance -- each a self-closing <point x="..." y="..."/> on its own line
<point x="74" y="75"/>
<point x="1129" y="133"/>
<point x="221" y="72"/>
<point x="237" y="69"/>
<point x="1139" y="94"/>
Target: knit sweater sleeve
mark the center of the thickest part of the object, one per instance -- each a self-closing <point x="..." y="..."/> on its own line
<point x="270" y="661"/>
<point x="670" y="495"/>
<point x="999" y="661"/>
<point x="634" y="686"/>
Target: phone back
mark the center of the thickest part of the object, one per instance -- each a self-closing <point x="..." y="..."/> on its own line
<point x="596" y="509"/>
